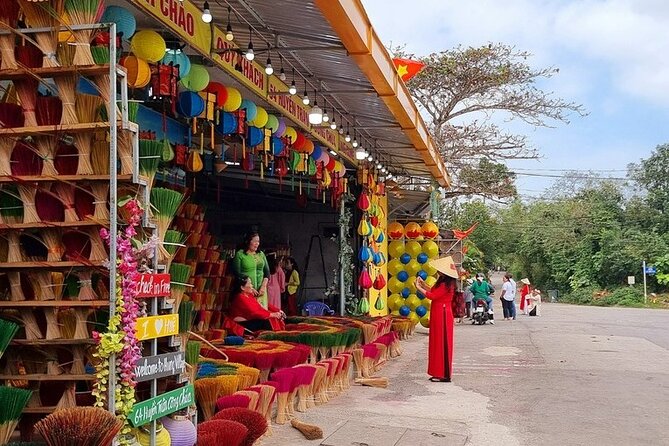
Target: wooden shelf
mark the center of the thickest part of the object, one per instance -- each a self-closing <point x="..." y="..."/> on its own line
<point x="52" y="303"/>
<point x="48" y="342"/>
<point x="49" y="178"/>
<point x="67" y="128"/>
<point x="51" y="265"/>
<point x="53" y="224"/>
<point x="53" y="72"/>
<point x="40" y="409"/>
<point x="45" y="377"/>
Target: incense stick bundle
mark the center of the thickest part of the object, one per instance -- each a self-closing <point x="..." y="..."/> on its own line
<point x="30" y="326"/>
<point x="7" y="331"/>
<point x="100" y="192"/>
<point x="168" y="249"/>
<point x="86" y="290"/>
<point x="98" y="252"/>
<point x="165" y="203"/>
<point x="103" y="83"/>
<point x="16" y="289"/>
<point x="87" y="108"/>
<point x="179" y="276"/>
<point x="65" y="192"/>
<point x="13" y="402"/>
<point x="69" y="398"/>
<point x="310" y="431"/>
<point x="45" y="14"/>
<point x="207" y="391"/>
<point x="67" y="322"/>
<point x="52" y="241"/>
<point x="83" y="12"/>
<point x="26" y="90"/>
<point x="41" y="282"/>
<point x="100" y="154"/>
<point x="11" y="116"/>
<point x="91" y="426"/>
<point x="46" y="147"/>
<point x="9" y="16"/>
<point x="27" y="194"/>
<point x="125" y="152"/>
<point x="78" y="360"/>
<point x="67" y="90"/>
<point x="81" y="316"/>
<point x="373" y="382"/>
<point x="150" y="154"/>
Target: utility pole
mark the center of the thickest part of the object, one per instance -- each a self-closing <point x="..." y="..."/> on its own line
<point x="645" y="293"/>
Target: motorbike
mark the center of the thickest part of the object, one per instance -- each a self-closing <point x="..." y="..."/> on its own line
<point x="480" y="314"/>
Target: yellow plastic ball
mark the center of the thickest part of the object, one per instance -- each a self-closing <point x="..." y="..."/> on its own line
<point x="148" y="45"/>
<point x="413" y="317"/>
<point x="395" y="230"/>
<point x="412" y="230"/>
<point x="431" y="281"/>
<point x="427" y="303"/>
<point x="425" y="320"/>
<point x="413" y="267"/>
<point x="431" y="249"/>
<point x="429" y="269"/>
<point x="394" y="285"/>
<point x="395" y="313"/>
<point x="413" y="302"/>
<point x="395" y="301"/>
<point x="233" y="101"/>
<point x="394" y="267"/>
<point x="413" y="248"/>
<point x="396" y="248"/>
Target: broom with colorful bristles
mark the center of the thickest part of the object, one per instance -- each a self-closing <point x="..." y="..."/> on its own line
<point x="221" y="432"/>
<point x="87" y="108"/>
<point x="179" y="276"/>
<point x="7" y="331"/>
<point x="207" y="392"/>
<point x="47" y="15"/>
<point x="165" y="204"/>
<point x="254" y="422"/>
<point x="13" y="402"/>
<point x="9" y="17"/>
<point x="150" y="154"/>
<point x="83" y="426"/>
<point x="83" y="12"/>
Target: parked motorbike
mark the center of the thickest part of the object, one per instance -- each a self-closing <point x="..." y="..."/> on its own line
<point x="480" y="314"/>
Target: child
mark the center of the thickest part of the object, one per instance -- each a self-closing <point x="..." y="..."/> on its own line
<point x="293" y="284"/>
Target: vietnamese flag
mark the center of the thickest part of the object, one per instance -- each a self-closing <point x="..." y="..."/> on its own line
<point x="407" y="68"/>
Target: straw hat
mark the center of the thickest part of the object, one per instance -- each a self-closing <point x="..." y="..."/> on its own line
<point x="446" y="266"/>
<point x="526" y="281"/>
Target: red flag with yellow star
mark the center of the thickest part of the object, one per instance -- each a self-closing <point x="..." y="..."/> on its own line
<point x="407" y="68"/>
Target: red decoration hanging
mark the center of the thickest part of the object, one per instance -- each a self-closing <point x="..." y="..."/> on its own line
<point x="363" y="202"/>
<point x="365" y="281"/>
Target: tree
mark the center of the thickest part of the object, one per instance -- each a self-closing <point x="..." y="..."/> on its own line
<point x="652" y="175"/>
<point x="465" y="91"/>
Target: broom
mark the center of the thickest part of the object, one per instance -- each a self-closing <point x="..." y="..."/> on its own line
<point x="373" y="382"/>
<point x="165" y="203"/>
<point x="9" y="16"/>
<point x="150" y="154"/>
<point x="173" y="241"/>
<point x="179" y="276"/>
<point x="11" y="116"/>
<point x="83" y="12"/>
<point x="83" y="426"/>
<point x="13" y="402"/>
<point x="7" y="331"/>
<point x="253" y="421"/>
<point x="310" y="431"/>
<point x="45" y="15"/>
<point x="221" y="432"/>
<point x="87" y="108"/>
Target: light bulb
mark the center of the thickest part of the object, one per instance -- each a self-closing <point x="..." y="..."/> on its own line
<point x="268" y="67"/>
<point x="206" y="14"/>
<point x="305" y="98"/>
<point x="250" y="55"/>
<point x="293" y="89"/>
<point x="347" y="138"/>
<point x="379" y="166"/>
<point x="228" y="33"/>
<point x="282" y="75"/>
<point x="316" y="115"/>
<point x="384" y="170"/>
<point x="333" y="125"/>
<point x="370" y="158"/>
<point x="326" y="118"/>
<point x="341" y="129"/>
<point x="333" y="153"/>
<point x="355" y="143"/>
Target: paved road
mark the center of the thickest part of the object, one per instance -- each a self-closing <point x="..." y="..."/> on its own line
<point x="575" y="376"/>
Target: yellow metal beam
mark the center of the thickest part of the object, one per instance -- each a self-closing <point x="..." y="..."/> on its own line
<point x="349" y="20"/>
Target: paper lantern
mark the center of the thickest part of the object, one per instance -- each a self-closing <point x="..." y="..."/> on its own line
<point x="227" y="124"/>
<point x="277" y="146"/>
<point x="251" y="110"/>
<point x="233" y="101"/>
<point x="412" y="230"/>
<point x="331" y="165"/>
<point x="430" y="230"/>
<point x="298" y="142"/>
<point x="177" y="57"/>
<point x="340" y="169"/>
<point x="261" y="117"/>
<point x="272" y="124"/>
<point x="291" y="134"/>
<point x="197" y="79"/>
<point x="431" y="249"/>
<point x="281" y="130"/>
<point x="138" y="71"/>
<point x="256" y="136"/>
<point x="308" y="147"/>
<point x="182" y="431"/>
<point x="365" y="254"/>
<point x="190" y="104"/>
<point x="412" y="248"/>
<point x="395" y="230"/>
<point x="126" y="25"/>
<point x="365" y="281"/>
<point x="220" y="91"/>
<point x="148" y="45"/>
<point x="316" y="153"/>
<point x="396" y="249"/>
<point x="394" y="267"/>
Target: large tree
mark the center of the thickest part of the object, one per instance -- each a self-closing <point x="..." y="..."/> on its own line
<point x="467" y="92"/>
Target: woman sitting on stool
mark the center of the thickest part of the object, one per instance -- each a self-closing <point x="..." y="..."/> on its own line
<point x="247" y="311"/>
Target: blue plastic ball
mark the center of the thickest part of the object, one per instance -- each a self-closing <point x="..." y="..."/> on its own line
<point x="405" y="310"/>
<point x="422" y="274"/>
<point x="405" y="292"/>
<point x="422" y="258"/>
<point x="420" y="295"/>
<point x="405" y="258"/>
<point x="421" y="311"/>
<point x="403" y="276"/>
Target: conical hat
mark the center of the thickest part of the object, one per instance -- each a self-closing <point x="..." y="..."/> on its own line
<point x="526" y="281"/>
<point x="445" y="265"/>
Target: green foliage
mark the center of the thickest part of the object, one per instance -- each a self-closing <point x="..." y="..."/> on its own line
<point x="622" y="297"/>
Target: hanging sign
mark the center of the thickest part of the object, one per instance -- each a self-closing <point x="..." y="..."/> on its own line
<point x="153" y="285"/>
<point x="162" y="405"/>
<point x="157" y="326"/>
<point x="183" y="17"/>
<point x="154" y="367"/>
<point x="252" y="75"/>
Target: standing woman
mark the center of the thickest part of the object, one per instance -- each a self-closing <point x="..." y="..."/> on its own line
<point x="293" y="283"/>
<point x="249" y="262"/>
<point x="440" y="352"/>
<point x="524" y="294"/>
<point x="277" y="281"/>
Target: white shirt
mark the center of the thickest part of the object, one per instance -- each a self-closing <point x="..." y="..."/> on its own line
<point x="515" y="287"/>
<point x="509" y="293"/>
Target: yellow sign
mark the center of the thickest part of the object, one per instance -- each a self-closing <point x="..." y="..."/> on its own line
<point x="375" y="295"/>
<point x="157" y="326"/>
<point x="251" y="75"/>
<point x="183" y="17"/>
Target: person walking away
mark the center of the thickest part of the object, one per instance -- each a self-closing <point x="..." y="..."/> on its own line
<point x="440" y="350"/>
<point x="468" y="298"/>
<point x="507" y="297"/>
<point x="482" y="290"/>
<point x="515" y="291"/>
<point x="292" y="285"/>
<point x="277" y="282"/>
<point x="524" y="292"/>
<point x="534" y="303"/>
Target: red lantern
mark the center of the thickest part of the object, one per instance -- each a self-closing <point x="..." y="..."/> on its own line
<point x="364" y="280"/>
<point x="331" y="164"/>
<point x="299" y="142"/>
<point x="219" y="90"/>
<point x="379" y="282"/>
<point x="363" y="202"/>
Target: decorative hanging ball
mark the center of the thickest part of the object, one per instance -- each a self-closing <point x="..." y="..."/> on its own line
<point x="182" y="431"/>
<point x="379" y="305"/>
<point x="402" y="276"/>
<point x="422" y="274"/>
<point x="281" y="130"/>
<point x="365" y="281"/>
<point x="412" y="248"/>
<point x="425" y="320"/>
<point x="430" y="248"/>
<point x="291" y="134"/>
<point x="396" y="249"/>
<point x="219" y="90"/>
<point x="374" y="220"/>
<point x="197" y="79"/>
<point x="256" y="137"/>
<point x="395" y="301"/>
<point x="316" y="153"/>
<point x="126" y="25"/>
<point x="405" y="258"/>
<point x="340" y="169"/>
<point x="363" y="306"/>
<point x="272" y="124"/>
<point x="177" y="58"/>
<point x="190" y="104"/>
<point x="298" y="142"/>
<point x="261" y="118"/>
<point x="394" y="267"/>
<point x="251" y="110"/>
<point x="379" y="284"/>
<point x="413" y="302"/>
<point x="405" y="292"/>
<point x="227" y="124"/>
<point x="395" y="230"/>
<point x="138" y="71"/>
<point x="412" y="230"/>
<point x="277" y="146"/>
<point x="363" y="201"/>
<point x="308" y="147"/>
<point x="233" y="101"/>
<point x="148" y="45"/>
<point x="330" y="165"/>
<point x="422" y="258"/>
<point x="430" y="230"/>
<point x="364" y="255"/>
<point x="395" y="286"/>
<point x="324" y="158"/>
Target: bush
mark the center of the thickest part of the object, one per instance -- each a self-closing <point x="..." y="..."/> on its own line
<point x="580" y="296"/>
<point x="623" y="297"/>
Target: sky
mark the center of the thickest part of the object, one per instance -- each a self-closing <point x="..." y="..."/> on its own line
<point x="613" y="57"/>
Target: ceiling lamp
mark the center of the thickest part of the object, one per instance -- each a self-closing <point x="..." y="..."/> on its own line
<point x="347" y="138"/>
<point x="206" y="13"/>
<point x="355" y="141"/>
<point x="293" y="89"/>
<point x="305" y="98"/>
<point x="326" y="117"/>
<point x="250" y="55"/>
<point x="269" y="70"/>
<point x="333" y="124"/>
<point x="282" y="73"/>
<point x="341" y="129"/>
<point x="384" y="170"/>
<point x="370" y="158"/>
<point x="360" y="154"/>
<point x="316" y="113"/>
<point x="228" y="30"/>
<point x="379" y="166"/>
<point x="333" y="153"/>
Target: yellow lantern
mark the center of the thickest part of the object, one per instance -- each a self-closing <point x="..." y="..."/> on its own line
<point x="395" y="230"/>
<point x="139" y="72"/>
<point x="148" y="45"/>
<point x="430" y="230"/>
<point x="261" y="118"/>
<point x="291" y="134"/>
<point x="233" y="101"/>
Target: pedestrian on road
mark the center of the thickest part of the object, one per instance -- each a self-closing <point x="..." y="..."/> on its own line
<point x="482" y="291"/>
<point x="469" y="296"/>
<point x="524" y="293"/>
<point x="534" y="303"/>
<point x="440" y="351"/>
<point x="508" y="295"/>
